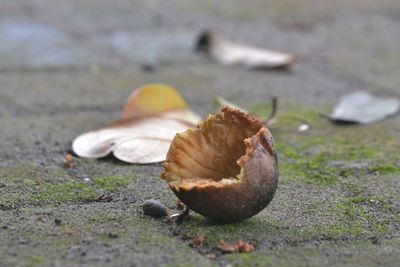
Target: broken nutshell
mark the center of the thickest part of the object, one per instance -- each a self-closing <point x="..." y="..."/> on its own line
<point x="226" y="169"/>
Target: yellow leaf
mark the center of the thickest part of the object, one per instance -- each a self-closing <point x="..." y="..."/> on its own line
<point x="152" y="99"/>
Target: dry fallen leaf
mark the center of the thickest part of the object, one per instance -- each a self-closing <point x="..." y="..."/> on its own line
<point x="227" y="52"/>
<point x="69" y="161"/>
<point x="239" y="246"/>
<point x="68" y="231"/>
<point x="363" y="108"/>
<point x="210" y="256"/>
<point x="227" y="247"/>
<point x="197" y="240"/>
<point x="151" y="118"/>
<point x="244" y="246"/>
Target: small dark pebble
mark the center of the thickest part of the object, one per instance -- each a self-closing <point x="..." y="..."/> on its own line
<point x="4" y="227"/>
<point x="375" y="240"/>
<point x="24" y="241"/>
<point x="154" y="208"/>
<point x="112" y="235"/>
<point x="87" y="179"/>
<point x="148" y="67"/>
<point x="57" y="221"/>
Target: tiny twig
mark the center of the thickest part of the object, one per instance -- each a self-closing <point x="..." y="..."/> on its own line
<point x="103" y="198"/>
<point x="271" y="118"/>
<point x="179" y="204"/>
<point x="98" y="197"/>
<point x="179" y="217"/>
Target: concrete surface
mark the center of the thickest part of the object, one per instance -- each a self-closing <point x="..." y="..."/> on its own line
<point x="66" y="67"/>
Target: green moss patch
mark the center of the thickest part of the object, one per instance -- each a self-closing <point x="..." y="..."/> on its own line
<point x="33" y="191"/>
<point x="328" y="154"/>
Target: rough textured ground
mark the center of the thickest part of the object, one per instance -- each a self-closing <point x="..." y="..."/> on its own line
<point x="67" y="67"/>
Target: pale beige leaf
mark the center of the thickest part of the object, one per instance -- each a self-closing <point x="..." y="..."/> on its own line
<point x="152" y="116"/>
<point x="227" y="52"/>
<point x="364" y="108"/>
<point x="185" y="116"/>
<point x="136" y="140"/>
<point x="142" y="150"/>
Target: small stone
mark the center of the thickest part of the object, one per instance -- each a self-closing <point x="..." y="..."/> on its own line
<point x="154" y="208"/>
<point x="24" y="241"/>
<point x="375" y="240"/>
<point x="57" y="221"/>
<point x="112" y="235"/>
<point x="303" y="127"/>
<point x="148" y="67"/>
<point x="86" y="180"/>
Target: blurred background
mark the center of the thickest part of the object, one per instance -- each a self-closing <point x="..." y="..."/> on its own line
<point x="344" y="44"/>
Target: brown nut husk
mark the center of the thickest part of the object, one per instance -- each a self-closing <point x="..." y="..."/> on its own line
<point x="225" y="169"/>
